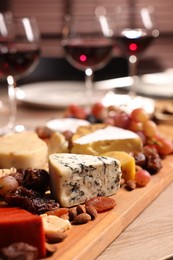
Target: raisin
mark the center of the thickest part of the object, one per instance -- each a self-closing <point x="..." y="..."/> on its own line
<point x="29" y="200"/>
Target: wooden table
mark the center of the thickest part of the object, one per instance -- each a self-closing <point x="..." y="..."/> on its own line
<point x="150" y="236"/>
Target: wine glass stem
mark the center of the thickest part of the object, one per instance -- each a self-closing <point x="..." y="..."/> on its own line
<point x="12" y="100"/>
<point x="132" y="73"/>
<point x="89" y="84"/>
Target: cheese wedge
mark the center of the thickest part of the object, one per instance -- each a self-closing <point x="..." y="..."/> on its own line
<point x="22" y="150"/>
<point x="75" y="178"/>
<point x="57" y="143"/>
<point x="98" y="139"/>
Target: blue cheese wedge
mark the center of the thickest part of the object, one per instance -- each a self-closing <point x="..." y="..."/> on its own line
<point x="98" y="139"/>
<point x="74" y="178"/>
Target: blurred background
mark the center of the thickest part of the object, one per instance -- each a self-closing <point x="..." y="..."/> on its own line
<point x="50" y="16"/>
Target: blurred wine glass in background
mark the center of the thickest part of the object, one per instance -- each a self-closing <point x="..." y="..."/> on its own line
<point x="87" y="41"/>
<point x="135" y="30"/>
<point x="19" y="54"/>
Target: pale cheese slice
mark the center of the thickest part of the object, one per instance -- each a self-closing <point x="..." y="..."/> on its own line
<point x="99" y="139"/>
<point x="57" y="143"/>
<point x="53" y="224"/>
<point x="22" y="150"/>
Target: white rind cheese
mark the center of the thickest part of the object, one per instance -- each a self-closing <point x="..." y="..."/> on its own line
<point x="108" y="133"/>
<point x="22" y="150"/>
<point x="95" y="141"/>
<point x="75" y="178"/>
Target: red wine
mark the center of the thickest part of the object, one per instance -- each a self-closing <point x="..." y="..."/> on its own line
<point x="84" y="54"/>
<point x="16" y="62"/>
<point x="134" y="41"/>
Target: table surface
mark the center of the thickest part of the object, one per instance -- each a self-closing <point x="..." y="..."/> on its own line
<point x="150" y="236"/>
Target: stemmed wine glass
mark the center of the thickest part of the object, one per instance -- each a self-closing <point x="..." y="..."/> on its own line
<point x="88" y="44"/>
<point x="135" y="30"/>
<point x="19" y="54"/>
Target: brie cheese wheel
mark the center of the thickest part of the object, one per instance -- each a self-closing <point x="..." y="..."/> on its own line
<point x="74" y="178"/>
<point x="22" y="150"/>
<point x="98" y="139"/>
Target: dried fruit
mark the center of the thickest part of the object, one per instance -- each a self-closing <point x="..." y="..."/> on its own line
<point x="58" y="212"/>
<point x="101" y="203"/>
<point x="7" y="183"/>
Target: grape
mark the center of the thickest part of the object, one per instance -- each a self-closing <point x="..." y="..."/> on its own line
<point x="150" y="128"/>
<point x="139" y="115"/>
<point x="7" y="183"/>
<point x="121" y="119"/>
<point x="163" y="145"/>
<point x="142" y="136"/>
<point x="142" y="177"/>
<point x="76" y="111"/>
<point x="99" y="111"/>
<point x="135" y="126"/>
<point x="109" y="121"/>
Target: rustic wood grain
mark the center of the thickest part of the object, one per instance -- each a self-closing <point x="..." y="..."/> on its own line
<point x="149" y="236"/>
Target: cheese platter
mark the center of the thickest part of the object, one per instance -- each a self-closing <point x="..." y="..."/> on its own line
<point x="90" y="239"/>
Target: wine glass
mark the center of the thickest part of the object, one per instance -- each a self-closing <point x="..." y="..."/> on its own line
<point x="88" y="44"/>
<point x="19" y="54"/>
<point x="135" y="30"/>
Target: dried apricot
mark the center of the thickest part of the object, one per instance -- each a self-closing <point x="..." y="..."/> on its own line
<point x="58" y="212"/>
<point x="101" y="203"/>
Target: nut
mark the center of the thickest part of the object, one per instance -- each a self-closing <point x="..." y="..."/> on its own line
<point x="91" y="211"/>
<point x="82" y="219"/>
<point x="130" y="185"/>
<point x="122" y="182"/>
<point x="81" y="209"/>
<point x="57" y="237"/>
<point x="72" y="213"/>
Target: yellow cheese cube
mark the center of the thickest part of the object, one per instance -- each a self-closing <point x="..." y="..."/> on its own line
<point x="127" y="163"/>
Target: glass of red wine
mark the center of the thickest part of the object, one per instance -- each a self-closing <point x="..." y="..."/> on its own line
<point x="87" y="41"/>
<point x="135" y="31"/>
<point x="19" y="54"/>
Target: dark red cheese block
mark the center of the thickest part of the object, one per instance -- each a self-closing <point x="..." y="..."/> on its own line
<point x="18" y="225"/>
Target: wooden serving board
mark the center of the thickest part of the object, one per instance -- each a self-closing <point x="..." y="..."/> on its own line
<point x="87" y="241"/>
